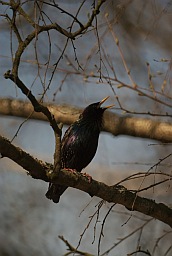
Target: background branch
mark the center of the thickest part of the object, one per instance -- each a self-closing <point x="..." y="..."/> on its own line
<point x="113" y="123"/>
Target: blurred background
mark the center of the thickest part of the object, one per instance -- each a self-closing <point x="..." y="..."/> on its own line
<point x="125" y="35"/>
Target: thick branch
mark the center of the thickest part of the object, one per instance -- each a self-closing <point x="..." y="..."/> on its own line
<point x="36" y="168"/>
<point x="116" y="194"/>
<point x="113" y="123"/>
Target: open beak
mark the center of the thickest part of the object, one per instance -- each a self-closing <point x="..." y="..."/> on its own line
<point x="103" y="100"/>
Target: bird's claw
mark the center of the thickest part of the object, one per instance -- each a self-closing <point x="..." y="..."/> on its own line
<point x="70" y="170"/>
<point x="87" y="176"/>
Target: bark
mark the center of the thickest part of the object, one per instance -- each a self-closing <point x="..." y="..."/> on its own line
<point x="116" y="194"/>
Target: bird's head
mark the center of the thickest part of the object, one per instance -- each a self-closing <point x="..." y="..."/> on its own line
<point x="94" y="112"/>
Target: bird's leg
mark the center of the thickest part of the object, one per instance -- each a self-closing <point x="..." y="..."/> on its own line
<point x="87" y="176"/>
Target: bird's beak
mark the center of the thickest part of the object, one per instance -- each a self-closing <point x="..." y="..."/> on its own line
<point x="103" y="100"/>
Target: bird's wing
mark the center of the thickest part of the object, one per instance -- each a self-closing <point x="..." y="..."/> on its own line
<point x="68" y="137"/>
<point x="69" y="148"/>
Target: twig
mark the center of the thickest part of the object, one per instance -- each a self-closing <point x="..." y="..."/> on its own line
<point x="72" y="249"/>
<point x="139" y="250"/>
<point x="159" y="239"/>
<point x="102" y="227"/>
<point x="100" y="204"/>
<point x="120" y="50"/>
<point x="126" y="237"/>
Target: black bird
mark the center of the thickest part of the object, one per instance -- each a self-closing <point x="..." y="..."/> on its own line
<point x="79" y="144"/>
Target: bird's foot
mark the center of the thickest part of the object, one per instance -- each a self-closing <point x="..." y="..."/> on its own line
<point x="87" y="176"/>
<point x="71" y="170"/>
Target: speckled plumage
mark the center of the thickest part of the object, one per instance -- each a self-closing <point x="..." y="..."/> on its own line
<point x="79" y="144"/>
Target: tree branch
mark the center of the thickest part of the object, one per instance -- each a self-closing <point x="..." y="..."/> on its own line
<point x="36" y="105"/>
<point x="16" y="7"/>
<point x="73" y="250"/>
<point x="36" y="168"/>
<point x="116" y="194"/>
<point x="94" y="13"/>
<point x="113" y="123"/>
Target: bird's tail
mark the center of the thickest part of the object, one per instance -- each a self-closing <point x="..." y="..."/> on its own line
<point x="55" y="191"/>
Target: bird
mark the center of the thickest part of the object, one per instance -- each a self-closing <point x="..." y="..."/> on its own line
<point x="79" y="144"/>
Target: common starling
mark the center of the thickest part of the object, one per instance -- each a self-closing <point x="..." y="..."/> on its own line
<point x="79" y="144"/>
